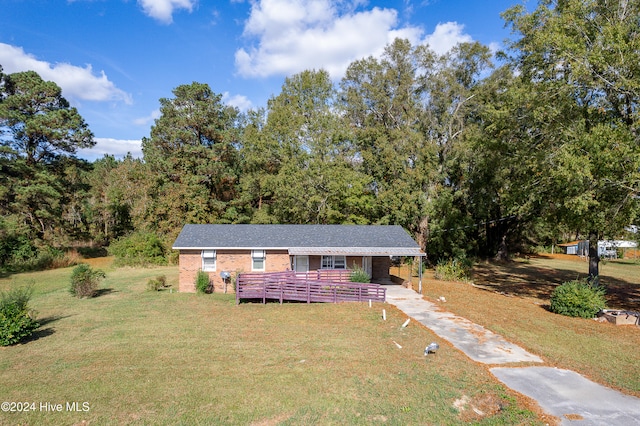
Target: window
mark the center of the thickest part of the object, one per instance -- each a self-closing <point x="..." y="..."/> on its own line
<point x="208" y="260"/>
<point x="257" y="260"/>
<point x="333" y="262"/>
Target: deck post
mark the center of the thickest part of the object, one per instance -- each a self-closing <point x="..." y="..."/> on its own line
<point x="420" y="274"/>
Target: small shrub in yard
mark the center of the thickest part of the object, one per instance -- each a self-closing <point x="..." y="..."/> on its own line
<point x="157" y="283"/>
<point x="578" y="298"/>
<point x="84" y="280"/>
<point x="202" y="282"/>
<point x="458" y="269"/>
<point x="359" y="275"/>
<point x="16" y="320"/>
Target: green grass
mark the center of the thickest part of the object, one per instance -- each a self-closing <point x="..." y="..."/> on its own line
<point x="140" y="357"/>
<point x="513" y="300"/>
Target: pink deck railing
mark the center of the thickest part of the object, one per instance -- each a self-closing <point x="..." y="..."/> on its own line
<point x="306" y="287"/>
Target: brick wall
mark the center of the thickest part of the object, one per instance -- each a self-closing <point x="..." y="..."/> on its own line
<point x="190" y="262"/>
<point x="380" y="267"/>
<point x="235" y="261"/>
<point x="232" y="261"/>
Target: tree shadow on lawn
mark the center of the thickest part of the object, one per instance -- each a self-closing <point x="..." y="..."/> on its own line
<point x="526" y="280"/>
<point x="43" y="332"/>
<point x="103" y="292"/>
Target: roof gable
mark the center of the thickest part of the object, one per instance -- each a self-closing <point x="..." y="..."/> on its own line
<point x="343" y="237"/>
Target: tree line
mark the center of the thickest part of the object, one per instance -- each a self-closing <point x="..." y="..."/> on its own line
<point x="474" y="154"/>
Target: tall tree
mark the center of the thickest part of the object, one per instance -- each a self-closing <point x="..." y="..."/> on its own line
<point x="383" y="105"/>
<point x="451" y="96"/>
<point x="193" y="153"/>
<point x="40" y="134"/>
<point x="309" y="147"/>
<point x="411" y="110"/>
<point x="581" y="58"/>
<point x="41" y="123"/>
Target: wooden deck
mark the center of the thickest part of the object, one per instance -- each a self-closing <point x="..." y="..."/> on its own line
<point x="306" y="288"/>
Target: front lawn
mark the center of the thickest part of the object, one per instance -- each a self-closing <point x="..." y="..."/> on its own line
<point x="130" y="356"/>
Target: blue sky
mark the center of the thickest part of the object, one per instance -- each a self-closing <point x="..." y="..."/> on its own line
<point x="114" y="59"/>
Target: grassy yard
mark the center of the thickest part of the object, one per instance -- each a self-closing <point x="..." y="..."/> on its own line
<point x="130" y="356"/>
<point x="512" y="299"/>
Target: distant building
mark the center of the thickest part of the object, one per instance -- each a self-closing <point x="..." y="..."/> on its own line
<point x="578" y="248"/>
<point x="607" y="249"/>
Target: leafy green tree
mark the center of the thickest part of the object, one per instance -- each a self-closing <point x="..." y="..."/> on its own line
<point x="42" y="183"/>
<point x="413" y="112"/>
<point x="41" y="123"/>
<point x="382" y="100"/>
<point x="115" y="194"/>
<point x="581" y="59"/>
<point x="310" y="171"/>
<point x="261" y="160"/>
<point x="192" y="152"/>
<point x="452" y="93"/>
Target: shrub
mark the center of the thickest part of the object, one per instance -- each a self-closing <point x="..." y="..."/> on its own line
<point x="202" y="282"/>
<point x="16" y="320"/>
<point x="84" y="281"/>
<point x="359" y="275"/>
<point x="157" y="283"/>
<point x="139" y="249"/>
<point x="458" y="269"/>
<point x="20" y="255"/>
<point x="578" y="298"/>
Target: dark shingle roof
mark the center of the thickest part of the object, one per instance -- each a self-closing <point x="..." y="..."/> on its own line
<point x="320" y="237"/>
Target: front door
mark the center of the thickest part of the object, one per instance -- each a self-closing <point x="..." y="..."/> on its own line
<point x="301" y="264"/>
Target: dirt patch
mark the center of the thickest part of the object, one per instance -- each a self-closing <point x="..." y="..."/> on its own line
<point x="485" y="405"/>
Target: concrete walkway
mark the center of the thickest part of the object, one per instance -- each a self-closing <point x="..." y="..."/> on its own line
<point x="562" y="393"/>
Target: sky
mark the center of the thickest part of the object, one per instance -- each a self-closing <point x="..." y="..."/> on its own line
<point x="115" y="59"/>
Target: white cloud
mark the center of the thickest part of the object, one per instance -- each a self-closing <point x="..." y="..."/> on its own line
<point x="446" y="36"/>
<point x="162" y="10"/>
<point x="145" y="121"/>
<point x="119" y="148"/>
<point x="239" y="101"/>
<point x="77" y="83"/>
<point x="294" y="35"/>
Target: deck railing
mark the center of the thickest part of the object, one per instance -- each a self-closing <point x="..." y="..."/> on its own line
<point x="305" y="288"/>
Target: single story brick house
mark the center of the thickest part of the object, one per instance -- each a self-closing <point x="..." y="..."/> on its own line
<point x="225" y="250"/>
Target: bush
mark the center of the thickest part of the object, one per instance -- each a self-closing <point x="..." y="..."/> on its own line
<point x="157" y="283"/>
<point x="578" y="298"/>
<point x="359" y="275"/>
<point x="20" y="255"/>
<point x="458" y="269"/>
<point x="84" y="281"/>
<point x="16" y="320"/>
<point x="202" y="282"/>
<point x="139" y="249"/>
